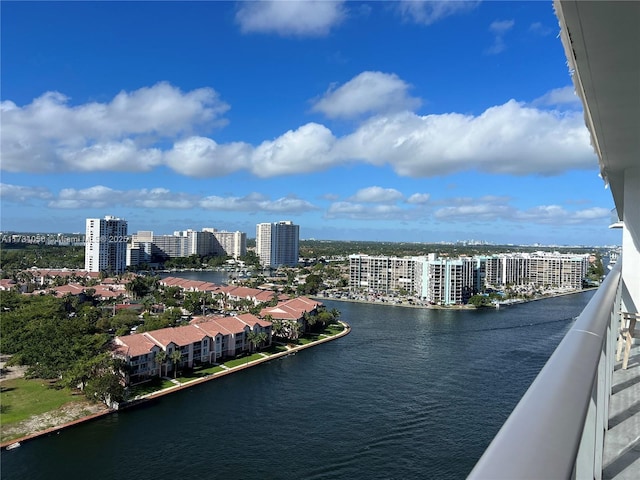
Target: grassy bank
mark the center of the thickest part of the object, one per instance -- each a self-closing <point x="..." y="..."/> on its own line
<point x="21" y="399"/>
<point x="29" y="406"/>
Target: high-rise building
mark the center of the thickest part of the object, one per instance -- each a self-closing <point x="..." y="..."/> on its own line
<point x="183" y="243"/>
<point x="232" y="244"/>
<point x="105" y="245"/>
<point x="278" y="243"/>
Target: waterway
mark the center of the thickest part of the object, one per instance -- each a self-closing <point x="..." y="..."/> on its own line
<point x="410" y="393"/>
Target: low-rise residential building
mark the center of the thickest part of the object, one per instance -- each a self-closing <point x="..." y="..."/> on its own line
<point x="292" y="312"/>
<point x="205" y="340"/>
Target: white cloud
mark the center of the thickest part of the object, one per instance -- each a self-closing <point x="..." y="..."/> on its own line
<point x="290" y="204"/>
<point x="256" y="202"/>
<point x="540" y="29"/>
<point x="556" y="215"/>
<point x="565" y="96"/>
<point x="21" y="194"/>
<point x="490" y="208"/>
<point x="49" y="134"/>
<point x="377" y="195"/>
<point x="307" y="149"/>
<point x="419" y="198"/>
<point x="368" y="92"/>
<point x="119" y="156"/>
<point x="201" y="156"/>
<point x="499" y="28"/>
<point x="508" y="139"/>
<point x="512" y="138"/>
<point x="480" y="211"/>
<point x="592" y="213"/>
<point x="100" y="196"/>
<point x="357" y="211"/>
<point x="292" y="17"/>
<point x="427" y="12"/>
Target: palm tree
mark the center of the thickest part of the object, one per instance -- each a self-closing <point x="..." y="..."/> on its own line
<point x="294" y="329"/>
<point x="277" y="328"/>
<point x="262" y="337"/>
<point x="256" y="338"/>
<point x="175" y="358"/>
<point x="147" y="303"/>
<point x="252" y="338"/>
<point x="160" y="358"/>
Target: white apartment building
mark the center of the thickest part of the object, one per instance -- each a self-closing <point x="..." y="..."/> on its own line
<point x="542" y="269"/>
<point x="145" y="246"/>
<point x="105" y="245"/>
<point x="278" y="243"/>
<point x="382" y="274"/>
<point x="232" y="244"/>
<point x="452" y="281"/>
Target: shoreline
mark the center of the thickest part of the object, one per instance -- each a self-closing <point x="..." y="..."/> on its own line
<point x="161" y="393"/>
<point x="517" y="301"/>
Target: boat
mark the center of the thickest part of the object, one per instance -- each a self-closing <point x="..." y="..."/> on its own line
<point x="13" y="445"/>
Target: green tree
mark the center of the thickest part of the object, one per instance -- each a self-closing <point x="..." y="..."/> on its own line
<point x="311" y="285"/>
<point x="147" y="302"/>
<point x="256" y="338"/>
<point x="277" y="327"/>
<point x="175" y="357"/>
<point x="160" y="358"/>
<point x="82" y="371"/>
<point x="107" y="387"/>
<point x="480" y="301"/>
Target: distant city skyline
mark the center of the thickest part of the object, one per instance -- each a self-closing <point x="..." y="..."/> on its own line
<point x="382" y="121"/>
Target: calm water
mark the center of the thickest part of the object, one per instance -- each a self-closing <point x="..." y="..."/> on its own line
<point x="409" y="393"/>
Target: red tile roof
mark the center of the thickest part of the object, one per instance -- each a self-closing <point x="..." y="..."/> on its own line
<point x="291" y="309"/>
<point x="186" y="284"/>
<point x="134" y="345"/>
<point x="251" y="320"/>
<point x="181" y="336"/>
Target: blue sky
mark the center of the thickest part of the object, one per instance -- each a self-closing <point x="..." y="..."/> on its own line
<point x="385" y="121"/>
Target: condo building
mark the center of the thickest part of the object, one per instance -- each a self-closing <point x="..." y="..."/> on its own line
<point x="453" y="281"/>
<point x="105" y="245"/>
<point x="380" y="274"/>
<point x="543" y="269"/>
<point x="147" y="247"/>
<point x="232" y="244"/>
<point x="278" y="244"/>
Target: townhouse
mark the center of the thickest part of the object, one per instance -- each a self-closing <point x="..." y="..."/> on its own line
<point x="292" y="311"/>
<point x="205" y="340"/>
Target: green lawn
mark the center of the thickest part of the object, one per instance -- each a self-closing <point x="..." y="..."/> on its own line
<point x="332" y="330"/>
<point x="211" y="370"/>
<point x="199" y="372"/>
<point x="21" y="398"/>
<point x="241" y="361"/>
<point x="274" y="349"/>
<point x="153" y="385"/>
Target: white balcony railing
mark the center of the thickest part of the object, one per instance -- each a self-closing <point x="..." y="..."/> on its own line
<point x="557" y="429"/>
